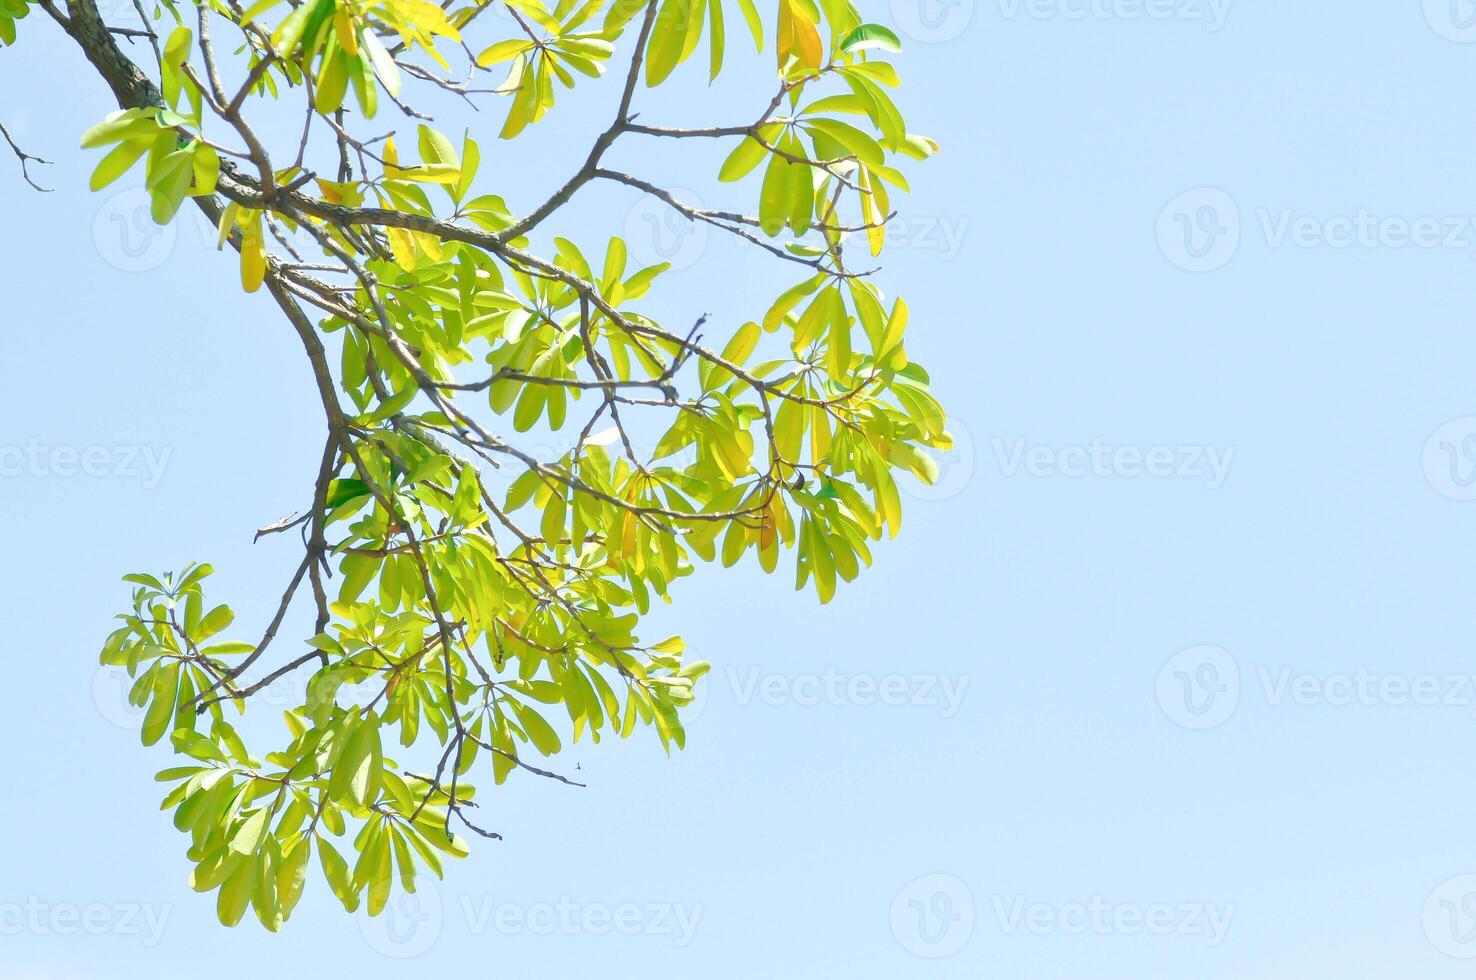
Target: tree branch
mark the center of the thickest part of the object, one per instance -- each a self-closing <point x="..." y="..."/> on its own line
<point x="25" y="160"/>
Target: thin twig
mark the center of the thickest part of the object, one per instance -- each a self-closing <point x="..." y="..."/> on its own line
<point x="25" y="160"/>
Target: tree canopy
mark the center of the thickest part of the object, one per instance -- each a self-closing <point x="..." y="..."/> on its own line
<point x="488" y="629"/>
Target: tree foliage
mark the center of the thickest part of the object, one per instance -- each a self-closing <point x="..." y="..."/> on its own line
<point x="437" y="334"/>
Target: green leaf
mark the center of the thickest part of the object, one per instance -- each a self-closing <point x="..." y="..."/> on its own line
<point x="161" y="706"/>
<point x="292" y="874"/>
<point x="332" y="82"/>
<point x="206" y="165"/>
<point x="774" y="201"/>
<point x="544" y="738"/>
<point x="743" y="159"/>
<point x="858" y="143"/>
<point x="117" y="162"/>
<point x="343" y="490"/>
<point x="755" y="25"/>
<point x="249" y="836"/>
<point x="384" y="65"/>
<point x="670" y="645"/>
<point x="869" y="37"/>
<point x="668" y="37"/>
<point x="365" y="760"/>
<point x="336" y="870"/>
<point x="235" y="893"/>
<point x="176" y="50"/>
<point x="719" y="38"/>
<point x="216" y="620"/>
<point x="129" y="124"/>
<point x="436" y="149"/>
<point x="257" y="9"/>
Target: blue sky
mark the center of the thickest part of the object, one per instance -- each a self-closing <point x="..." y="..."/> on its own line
<point x="1169" y="676"/>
